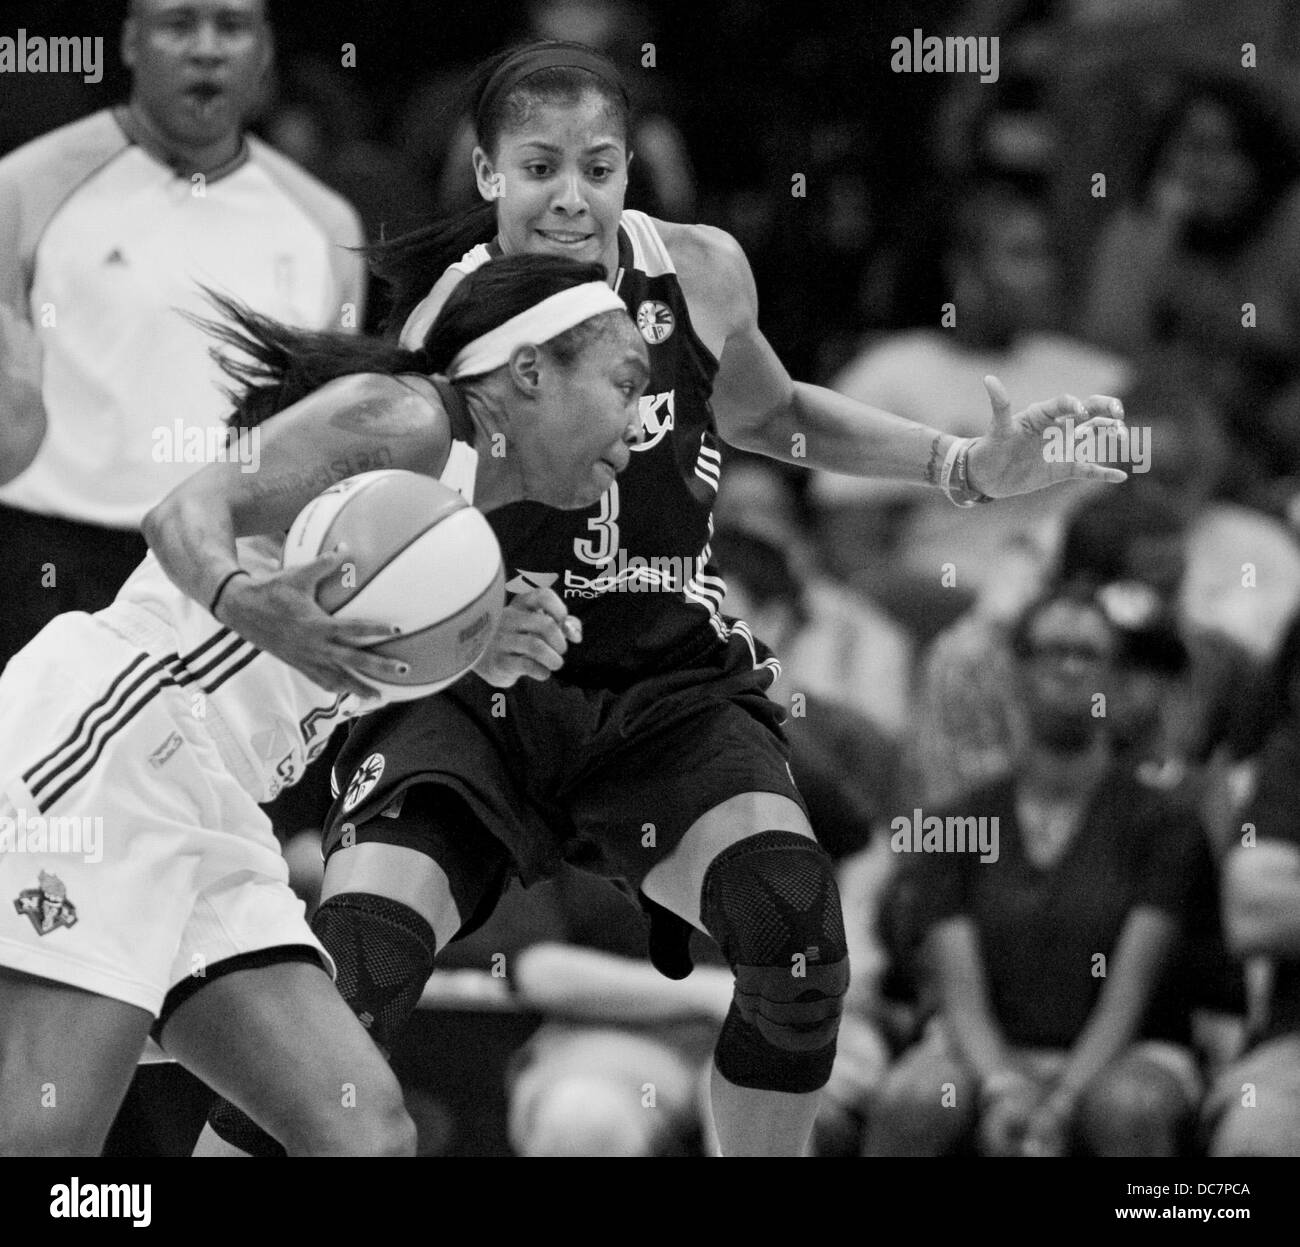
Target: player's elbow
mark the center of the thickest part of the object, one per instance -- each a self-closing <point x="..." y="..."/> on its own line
<point x="159" y="519"/>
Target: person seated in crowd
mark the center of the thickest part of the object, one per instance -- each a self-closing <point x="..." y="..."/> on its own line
<point x="906" y="548"/>
<point x="1051" y="945"/>
<point x="1228" y="576"/>
<point x="1207" y="252"/>
<point x="1254" y="1107"/>
<point x="832" y="643"/>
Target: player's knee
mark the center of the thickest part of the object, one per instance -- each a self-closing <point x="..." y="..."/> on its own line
<point x="377" y="1125"/>
<point x="383" y="951"/>
<point x="771" y="903"/>
<point x="586" y="1117"/>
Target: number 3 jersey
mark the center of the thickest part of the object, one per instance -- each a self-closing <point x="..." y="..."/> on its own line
<point x="636" y="566"/>
<point x="268" y="720"/>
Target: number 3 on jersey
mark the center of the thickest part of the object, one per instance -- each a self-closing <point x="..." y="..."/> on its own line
<point x="600" y="549"/>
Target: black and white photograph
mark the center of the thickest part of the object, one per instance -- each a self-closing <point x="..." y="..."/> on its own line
<point x="592" y="579"/>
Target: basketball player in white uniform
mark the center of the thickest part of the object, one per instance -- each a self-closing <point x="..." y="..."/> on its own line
<point x="145" y="891"/>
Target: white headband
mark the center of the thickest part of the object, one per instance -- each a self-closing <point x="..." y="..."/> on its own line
<point x="539" y="323"/>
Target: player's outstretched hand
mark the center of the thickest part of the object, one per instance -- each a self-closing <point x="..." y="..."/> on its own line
<point x="531" y="639"/>
<point x="1062" y="439"/>
<point x="280" y="614"/>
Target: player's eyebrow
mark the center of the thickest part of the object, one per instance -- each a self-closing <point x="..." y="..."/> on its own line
<point x="637" y="364"/>
<point x="551" y="148"/>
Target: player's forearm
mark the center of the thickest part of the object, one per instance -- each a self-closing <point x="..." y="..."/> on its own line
<point x="582" y="982"/>
<point x="821" y="429"/>
<point x="192" y="534"/>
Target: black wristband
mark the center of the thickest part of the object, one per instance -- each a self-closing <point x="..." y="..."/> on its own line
<point x="221" y="588"/>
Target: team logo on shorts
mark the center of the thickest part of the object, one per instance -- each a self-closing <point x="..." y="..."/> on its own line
<point x="47" y="905"/>
<point x="655" y="320"/>
<point x="363" y="781"/>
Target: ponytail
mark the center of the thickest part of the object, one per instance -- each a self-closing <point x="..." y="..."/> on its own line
<point x="274" y="365"/>
<point x="410" y="264"/>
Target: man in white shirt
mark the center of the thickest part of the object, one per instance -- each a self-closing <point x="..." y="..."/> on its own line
<point x="108" y="229"/>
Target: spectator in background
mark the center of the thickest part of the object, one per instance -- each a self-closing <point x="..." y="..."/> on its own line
<point x="107" y="227"/>
<point x="1213" y="225"/>
<point x="893" y="541"/>
<point x="1047" y="1047"/>
<point x="1254" y="1108"/>
<point x="321" y="120"/>
<point x="1240" y="568"/>
<point x="831" y="644"/>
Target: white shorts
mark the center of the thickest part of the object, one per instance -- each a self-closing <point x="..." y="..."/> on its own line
<point x="130" y="859"/>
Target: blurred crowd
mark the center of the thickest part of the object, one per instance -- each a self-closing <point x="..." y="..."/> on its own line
<point x="1118" y="213"/>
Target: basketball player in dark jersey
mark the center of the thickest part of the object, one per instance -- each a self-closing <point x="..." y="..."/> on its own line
<point x="648" y="752"/>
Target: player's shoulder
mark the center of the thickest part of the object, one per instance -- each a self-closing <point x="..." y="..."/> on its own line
<point x="401" y="403"/>
<point x="79" y="148"/>
<point x="700" y="246"/>
<point x="711" y="268"/>
<point x="331" y="211"/>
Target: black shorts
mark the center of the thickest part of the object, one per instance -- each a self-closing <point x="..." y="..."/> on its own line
<point x="551" y="772"/>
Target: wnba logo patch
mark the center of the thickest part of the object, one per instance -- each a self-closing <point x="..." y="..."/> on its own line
<point x="363" y="781"/>
<point x="47" y="905"/>
<point x="655" y="320"/>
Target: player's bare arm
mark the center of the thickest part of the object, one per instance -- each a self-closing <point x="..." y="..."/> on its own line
<point x="760" y="408"/>
<point x="353" y="424"/>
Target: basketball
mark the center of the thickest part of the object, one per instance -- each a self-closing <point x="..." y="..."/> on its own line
<point x="421" y="558"/>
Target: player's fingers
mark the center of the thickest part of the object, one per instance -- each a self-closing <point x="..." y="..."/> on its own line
<point x="532" y="670"/>
<point x="324" y="565"/>
<point x="362" y="631"/>
<point x="1063" y="408"/>
<point x="537" y="623"/>
<point x="526" y="646"/>
<point x="1000" y="402"/>
<point x="1104" y="405"/>
<point x="1097" y="472"/>
<point x="363" y="663"/>
<point x="546" y="600"/>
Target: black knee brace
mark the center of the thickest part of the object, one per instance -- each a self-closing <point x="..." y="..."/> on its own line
<point x="384" y="954"/>
<point x="771" y="903"/>
<point x="383" y="951"/>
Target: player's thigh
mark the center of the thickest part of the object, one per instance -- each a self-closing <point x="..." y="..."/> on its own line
<point x="66" y="1059"/>
<point x="400" y="874"/>
<point x="676" y="881"/>
<point x="435" y="856"/>
<point x="280" y="1042"/>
